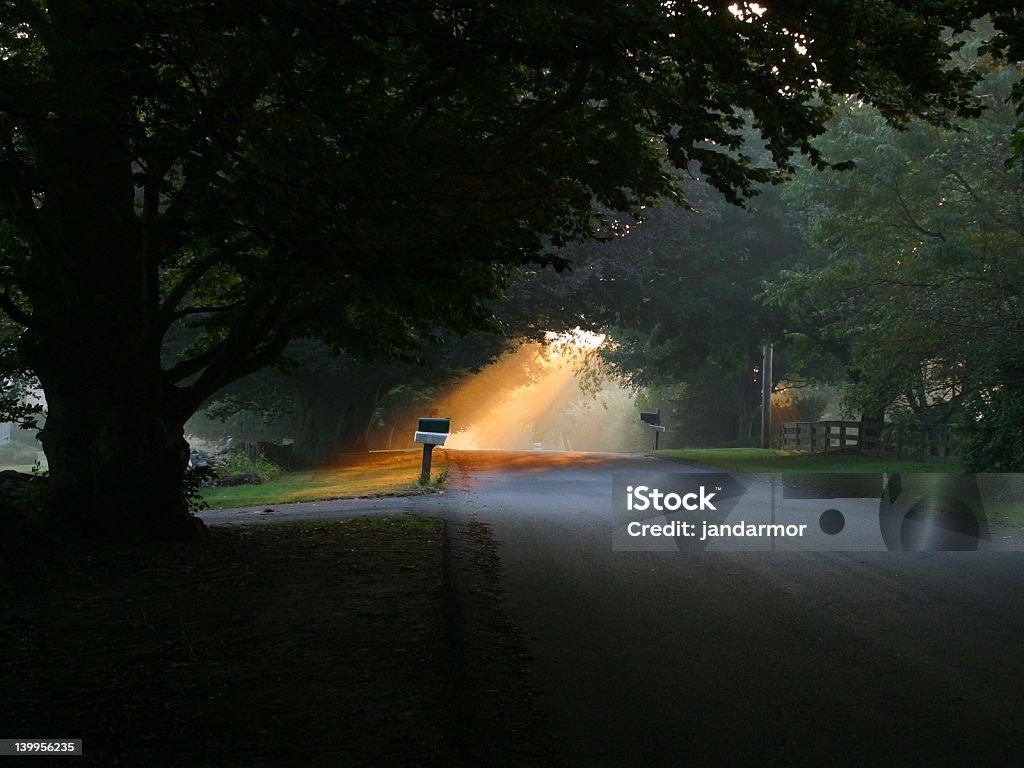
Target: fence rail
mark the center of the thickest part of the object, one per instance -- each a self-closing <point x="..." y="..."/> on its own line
<point x="5" y="433"/>
<point x="929" y="442"/>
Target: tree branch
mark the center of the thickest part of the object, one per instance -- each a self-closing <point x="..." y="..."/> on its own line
<point x="247" y="330"/>
<point x="912" y="221"/>
<point x="185" y="368"/>
<point x="16" y="313"/>
<point x="208" y="310"/>
<point x="231" y="359"/>
<point x="988" y="208"/>
<point x="187" y="282"/>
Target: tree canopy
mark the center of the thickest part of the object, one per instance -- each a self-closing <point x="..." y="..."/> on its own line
<point x="364" y="172"/>
<point x="677" y="296"/>
<point x="922" y="279"/>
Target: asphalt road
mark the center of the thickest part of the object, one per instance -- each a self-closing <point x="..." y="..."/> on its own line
<point x="733" y="658"/>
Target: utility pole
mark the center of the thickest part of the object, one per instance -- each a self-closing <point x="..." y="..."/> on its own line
<point x="766" y="396"/>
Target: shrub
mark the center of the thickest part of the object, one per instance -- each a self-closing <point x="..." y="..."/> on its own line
<point x="247" y="460"/>
<point x="197" y="477"/>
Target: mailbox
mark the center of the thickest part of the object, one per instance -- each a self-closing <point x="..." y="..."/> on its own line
<point x="653" y="420"/>
<point x="432" y="431"/>
<point x="651" y="417"/>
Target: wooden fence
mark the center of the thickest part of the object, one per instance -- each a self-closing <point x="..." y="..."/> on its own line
<point x="928" y="442"/>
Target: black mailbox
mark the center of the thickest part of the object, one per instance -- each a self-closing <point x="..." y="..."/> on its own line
<point x="432" y="431"/>
<point x="651" y="417"/>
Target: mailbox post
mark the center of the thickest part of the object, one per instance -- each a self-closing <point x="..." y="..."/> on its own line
<point x="653" y="420"/>
<point x="430" y="432"/>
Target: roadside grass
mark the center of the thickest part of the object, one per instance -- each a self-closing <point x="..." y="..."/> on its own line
<point x="294" y="644"/>
<point x="384" y="473"/>
<point x="1006" y="513"/>
<point x="769" y="460"/>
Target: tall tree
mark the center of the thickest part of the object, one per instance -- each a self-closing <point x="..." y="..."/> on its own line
<point x="360" y="171"/>
<point x="925" y="269"/>
<point x="677" y="294"/>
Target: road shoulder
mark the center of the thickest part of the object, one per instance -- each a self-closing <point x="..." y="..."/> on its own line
<point x="499" y="719"/>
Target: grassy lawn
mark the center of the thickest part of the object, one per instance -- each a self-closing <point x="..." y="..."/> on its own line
<point x="366" y="474"/>
<point x="20" y="467"/>
<point x="769" y="460"/>
<point x="294" y="644"/>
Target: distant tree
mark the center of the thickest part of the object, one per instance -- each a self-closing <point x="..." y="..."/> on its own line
<point x="327" y="403"/>
<point x="678" y="296"/>
<point x="925" y="271"/>
<point x="362" y="172"/>
<point x="17" y="384"/>
<point x="1006" y="45"/>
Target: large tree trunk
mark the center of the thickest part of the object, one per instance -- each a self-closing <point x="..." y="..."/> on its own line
<point x="114" y="434"/>
<point x="116" y="468"/>
<point x="113" y="438"/>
